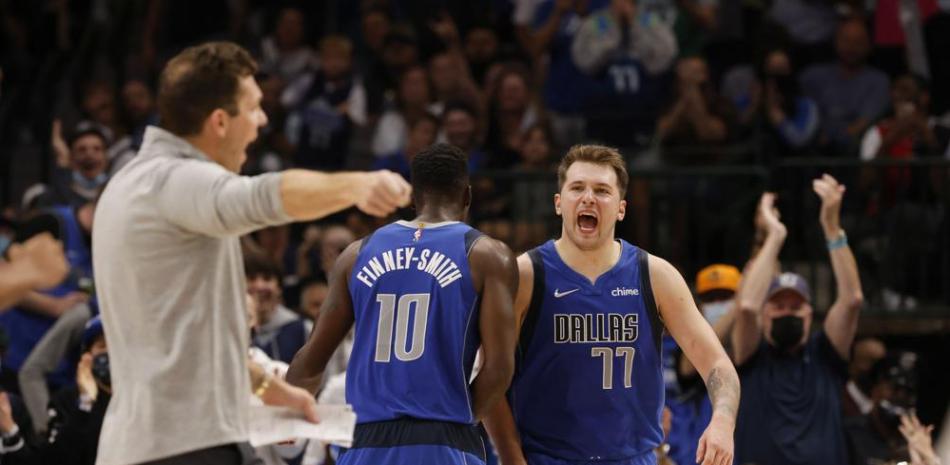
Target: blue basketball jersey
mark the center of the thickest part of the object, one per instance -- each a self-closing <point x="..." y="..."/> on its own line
<point x="589" y="383"/>
<point x="416" y="324"/>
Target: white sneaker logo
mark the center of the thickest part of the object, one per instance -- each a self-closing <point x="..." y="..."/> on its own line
<point x="558" y="295"/>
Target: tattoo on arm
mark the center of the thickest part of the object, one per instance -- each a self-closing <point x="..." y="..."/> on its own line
<point x="723" y="387"/>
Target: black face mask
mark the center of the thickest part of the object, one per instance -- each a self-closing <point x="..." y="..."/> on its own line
<point x="100" y="369"/>
<point x="787" y="331"/>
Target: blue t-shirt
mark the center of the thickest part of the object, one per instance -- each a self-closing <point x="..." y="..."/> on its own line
<point x="843" y="99"/>
<point x="790" y="412"/>
<point x="589" y="384"/>
<point x="416" y="324"/>
<point x="567" y="87"/>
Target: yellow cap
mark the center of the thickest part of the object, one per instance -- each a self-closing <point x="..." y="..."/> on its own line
<point x="716" y="277"/>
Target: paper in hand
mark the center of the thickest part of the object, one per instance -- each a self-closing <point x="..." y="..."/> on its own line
<point x="270" y="425"/>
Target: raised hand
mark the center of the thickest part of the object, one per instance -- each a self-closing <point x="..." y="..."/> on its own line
<point x="919" y="440"/>
<point x="831" y="192"/>
<point x="767" y="217"/>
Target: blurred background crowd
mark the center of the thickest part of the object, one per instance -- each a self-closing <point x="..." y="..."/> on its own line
<point x="711" y="101"/>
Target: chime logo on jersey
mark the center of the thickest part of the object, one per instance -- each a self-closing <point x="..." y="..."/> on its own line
<point x="578" y="328"/>
<point x="623" y="292"/>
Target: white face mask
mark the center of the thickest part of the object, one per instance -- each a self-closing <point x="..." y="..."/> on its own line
<point x="713" y="311"/>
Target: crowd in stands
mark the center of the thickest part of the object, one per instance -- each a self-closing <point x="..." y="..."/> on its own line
<point x="368" y="84"/>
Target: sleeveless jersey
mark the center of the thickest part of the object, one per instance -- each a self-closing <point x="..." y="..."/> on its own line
<point x="416" y="331"/>
<point x="589" y="383"/>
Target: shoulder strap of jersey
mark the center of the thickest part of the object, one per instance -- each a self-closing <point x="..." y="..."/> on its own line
<point x="656" y="323"/>
<point x="471" y="237"/>
<point x="534" y="306"/>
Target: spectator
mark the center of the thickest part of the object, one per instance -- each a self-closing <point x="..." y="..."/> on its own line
<point x="76" y="412"/>
<point x="512" y="111"/>
<point x="686" y="396"/>
<point x="890" y="432"/>
<point x="400" y="51"/>
<point x="625" y="53"/>
<point x="335" y="239"/>
<point x="909" y="131"/>
<point x="422" y="133"/>
<point x="285" y="53"/>
<point x="99" y="106"/>
<point x="857" y="393"/>
<point x="271" y="152"/>
<point x="481" y="50"/>
<point x="335" y="102"/>
<point x="280" y="332"/>
<point x="140" y="111"/>
<point x="451" y="80"/>
<point x="548" y="27"/>
<point x="697" y="116"/>
<point x="790" y="411"/>
<point x="37" y="263"/>
<point x="460" y="128"/>
<point x="413" y="101"/>
<point x="59" y="345"/>
<point x="850" y="94"/>
<point x="36" y="313"/>
<point x="536" y="156"/>
<point x="312" y="294"/>
<point x="809" y="25"/>
<point x="375" y="25"/>
<point x="85" y="171"/>
<point x="138" y="105"/>
<point x="693" y="21"/>
<point x="792" y="119"/>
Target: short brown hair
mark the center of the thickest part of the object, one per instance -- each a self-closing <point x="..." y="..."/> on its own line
<point x="259" y="264"/>
<point x="200" y="80"/>
<point x="598" y="155"/>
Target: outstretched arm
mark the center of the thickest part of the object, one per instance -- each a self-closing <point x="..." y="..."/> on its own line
<point x="498" y="274"/>
<point x="500" y="423"/>
<point x="746" y="332"/>
<point x="335" y="321"/>
<point x="841" y="324"/>
<point x="692" y="333"/>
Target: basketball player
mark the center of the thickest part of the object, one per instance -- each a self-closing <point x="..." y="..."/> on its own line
<point x="423" y="295"/>
<point x="588" y="385"/>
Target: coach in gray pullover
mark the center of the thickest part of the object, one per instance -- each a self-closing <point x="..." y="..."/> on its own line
<point x="169" y="270"/>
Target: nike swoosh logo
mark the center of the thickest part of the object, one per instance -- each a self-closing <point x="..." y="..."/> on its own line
<point x="558" y="295"/>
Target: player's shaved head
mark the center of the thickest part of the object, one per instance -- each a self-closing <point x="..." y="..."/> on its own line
<point x="440" y="170"/>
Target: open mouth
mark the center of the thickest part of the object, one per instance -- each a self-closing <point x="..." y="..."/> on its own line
<point x="587" y="222"/>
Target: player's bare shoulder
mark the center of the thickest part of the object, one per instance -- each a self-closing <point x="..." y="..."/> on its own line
<point x="490" y="256"/>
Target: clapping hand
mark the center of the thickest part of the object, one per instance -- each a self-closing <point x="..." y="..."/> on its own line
<point x="831" y="193"/>
<point x="919" y="441"/>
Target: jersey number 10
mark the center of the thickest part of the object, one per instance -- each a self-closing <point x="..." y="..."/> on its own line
<point x="389" y="310"/>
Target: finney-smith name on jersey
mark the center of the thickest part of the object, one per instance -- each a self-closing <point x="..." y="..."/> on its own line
<point x="442" y="268"/>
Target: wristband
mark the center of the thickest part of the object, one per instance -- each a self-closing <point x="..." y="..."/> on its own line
<point x="839" y="242"/>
